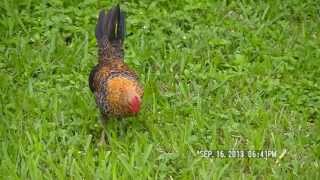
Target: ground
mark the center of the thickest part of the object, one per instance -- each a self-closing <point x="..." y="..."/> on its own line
<point x="225" y="75"/>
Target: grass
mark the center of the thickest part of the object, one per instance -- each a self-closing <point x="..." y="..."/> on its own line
<point x="217" y="75"/>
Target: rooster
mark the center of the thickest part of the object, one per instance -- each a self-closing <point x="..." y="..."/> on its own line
<point x="116" y="88"/>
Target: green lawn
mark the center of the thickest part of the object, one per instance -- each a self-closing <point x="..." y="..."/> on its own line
<point x="217" y="76"/>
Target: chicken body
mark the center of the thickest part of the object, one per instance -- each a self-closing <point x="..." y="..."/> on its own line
<point x="117" y="90"/>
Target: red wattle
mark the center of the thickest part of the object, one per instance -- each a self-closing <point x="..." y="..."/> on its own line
<point x="135" y="104"/>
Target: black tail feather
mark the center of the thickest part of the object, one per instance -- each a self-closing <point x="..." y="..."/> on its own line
<point x="112" y="25"/>
<point x="122" y="25"/>
<point x="101" y="25"/>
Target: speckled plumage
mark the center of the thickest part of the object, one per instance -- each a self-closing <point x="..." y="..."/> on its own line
<point x="106" y="77"/>
<point x="111" y="80"/>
